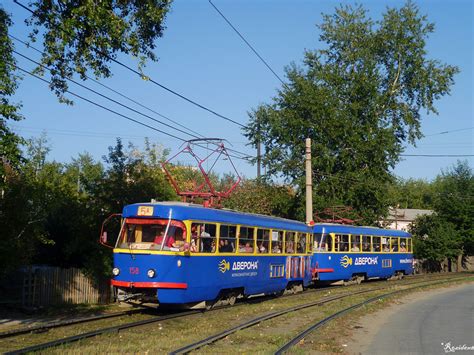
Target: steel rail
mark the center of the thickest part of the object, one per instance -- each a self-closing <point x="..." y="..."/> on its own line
<point x="45" y="327"/>
<point x="257" y="320"/>
<point x="99" y="332"/>
<point x="145" y="322"/>
<point x="338" y="314"/>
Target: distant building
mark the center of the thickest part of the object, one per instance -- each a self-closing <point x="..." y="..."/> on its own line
<point x="401" y="218"/>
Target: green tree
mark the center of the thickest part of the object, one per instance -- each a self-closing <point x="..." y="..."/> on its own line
<point x="412" y="193"/>
<point x="455" y="201"/>
<point x="360" y="101"/>
<point x="87" y="36"/>
<point x="435" y="240"/>
<point x="10" y="152"/>
<point x="258" y="196"/>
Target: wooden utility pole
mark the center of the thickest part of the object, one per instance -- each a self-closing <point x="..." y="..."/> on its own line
<point x="309" y="184"/>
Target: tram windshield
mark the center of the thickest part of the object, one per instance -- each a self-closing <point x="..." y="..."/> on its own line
<point x="156" y="234"/>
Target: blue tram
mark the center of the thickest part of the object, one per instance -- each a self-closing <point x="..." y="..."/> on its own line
<point x="352" y="253"/>
<point x="179" y="253"/>
<point x="183" y="254"/>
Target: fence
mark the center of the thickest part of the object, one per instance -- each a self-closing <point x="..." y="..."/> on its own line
<point x="45" y="286"/>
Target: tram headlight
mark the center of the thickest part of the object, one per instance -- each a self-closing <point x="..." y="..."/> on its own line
<point x="115" y="271"/>
<point x="151" y="273"/>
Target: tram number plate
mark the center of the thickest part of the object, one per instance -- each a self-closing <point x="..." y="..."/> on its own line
<point x="145" y="211"/>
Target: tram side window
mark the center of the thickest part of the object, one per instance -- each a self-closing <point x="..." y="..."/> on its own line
<point x="342" y="242"/>
<point x="385" y="244"/>
<point x="290" y="242"/>
<point x="203" y="238"/>
<point x="246" y="240"/>
<point x="323" y="242"/>
<point x="355" y="243"/>
<point x="365" y="243"/>
<point x="277" y="242"/>
<point x="263" y="241"/>
<point x="409" y="247"/>
<point x="394" y="244"/>
<point x="227" y="239"/>
<point x="376" y="244"/>
<point x="403" y="245"/>
<point x="301" y="243"/>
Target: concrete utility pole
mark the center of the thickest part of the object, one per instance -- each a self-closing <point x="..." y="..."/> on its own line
<point x="309" y="183"/>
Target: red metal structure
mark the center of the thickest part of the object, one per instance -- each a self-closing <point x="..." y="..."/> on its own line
<point x="337" y="214"/>
<point x="204" y="191"/>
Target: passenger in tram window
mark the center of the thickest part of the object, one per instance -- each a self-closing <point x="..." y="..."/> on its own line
<point x="386" y="249"/>
<point x="289" y="247"/>
<point x="261" y="248"/>
<point x="402" y="247"/>
<point x="225" y="246"/>
<point x="355" y="247"/>
<point x="276" y="248"/>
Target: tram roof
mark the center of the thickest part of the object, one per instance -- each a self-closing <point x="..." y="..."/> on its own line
<point x="343" y="228"/>
<point x="188" y="211"/>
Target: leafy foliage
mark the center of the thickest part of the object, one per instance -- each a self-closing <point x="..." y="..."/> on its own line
<point x="86" y="35"/>
<point x="256" y="196"/>
<point x="360" y="101"/>
<point x="435" y="239"/>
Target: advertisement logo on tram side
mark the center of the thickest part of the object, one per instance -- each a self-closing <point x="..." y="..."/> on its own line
<point x="238" y="265"/>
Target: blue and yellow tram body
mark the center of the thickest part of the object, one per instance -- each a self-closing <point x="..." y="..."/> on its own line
<point x="178" y="253"/>
<point x="343" y="252"/>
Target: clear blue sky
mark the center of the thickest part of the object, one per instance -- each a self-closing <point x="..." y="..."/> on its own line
<point x="201" y="57"/>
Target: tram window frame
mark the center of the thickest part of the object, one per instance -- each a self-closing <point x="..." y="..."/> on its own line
<point x="355" y="242"/>
<point x="405" y="246"/>
<point x="230" y="235"/>
<point x="385" y="247"/>
<point x="278" y="241"/>
<point x="342" y="240"/>
<point x="409" y="245"/>
<point x="251" y="240"/>
<point x="376" y="244"/>
<point x="290" y="236"/>
<point x="263" y="236"/>
<point x="309" y="243"/>
<point x="323" y="242"/>
<point x="205" y="240"/>
<point x="300" y="247"/>
<point x="366" y="243"/>
<point x="394" y="247"/>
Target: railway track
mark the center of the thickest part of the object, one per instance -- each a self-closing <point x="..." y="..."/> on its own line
<point x="209" y="340"/>
<point x="155" y="319"/>
<point x="296" y="339"/>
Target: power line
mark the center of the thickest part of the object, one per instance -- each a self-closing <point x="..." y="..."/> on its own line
<point x="247" y="43"/>
<point x="113" y="90"/>
<point x="148" y="78"/>
<point x="113" y="111"/>
<point x="446" y="132"/>
<point x="438" y="155"/>
<point x="123" y="105"/>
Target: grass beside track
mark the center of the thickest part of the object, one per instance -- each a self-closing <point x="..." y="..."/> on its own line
<point x="172" y="334"/>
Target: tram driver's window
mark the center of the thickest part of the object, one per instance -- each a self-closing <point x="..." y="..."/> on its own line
<point x="227" y="239"/>
<point x="263" y="241"/>
<point x="246" y="240"/>
<point x="203" y="238"/>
